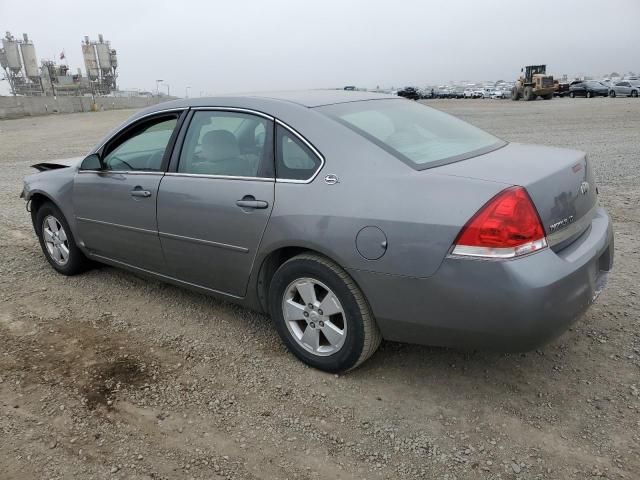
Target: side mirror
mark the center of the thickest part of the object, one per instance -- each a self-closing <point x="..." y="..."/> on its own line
<point x="92" y="162"/>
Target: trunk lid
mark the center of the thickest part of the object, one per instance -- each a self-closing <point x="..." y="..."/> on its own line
<point x="559" y="181"/>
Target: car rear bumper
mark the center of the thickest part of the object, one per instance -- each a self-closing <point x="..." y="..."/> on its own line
<point x="512" y="305"/>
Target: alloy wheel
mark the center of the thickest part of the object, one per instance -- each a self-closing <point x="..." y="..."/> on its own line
<point x="55" y="239"/>
<point x="314" y="316"/>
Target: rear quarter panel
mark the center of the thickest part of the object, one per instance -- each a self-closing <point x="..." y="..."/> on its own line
<point x="420" y="212"/>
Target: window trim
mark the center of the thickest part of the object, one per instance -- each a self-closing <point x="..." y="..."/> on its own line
<point x="309" y="145"/>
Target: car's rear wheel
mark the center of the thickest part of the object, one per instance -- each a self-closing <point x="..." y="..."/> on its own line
<point x="634" y="93"/>
<point x="321" y="314"/>
<point x="589" y="94"/>
<point x="57" y="242"/>
<point x="612" y="93"/>
<point x="572" y="94"/>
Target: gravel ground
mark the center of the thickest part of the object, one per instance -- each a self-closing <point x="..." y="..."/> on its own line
<point x="108" y="375"/>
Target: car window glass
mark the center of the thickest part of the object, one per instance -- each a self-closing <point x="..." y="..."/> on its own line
<point x="144" y="149"/>
<point x="228" y="144"/>
<point x="294" y="159"/>
<point x="418" y="135"/>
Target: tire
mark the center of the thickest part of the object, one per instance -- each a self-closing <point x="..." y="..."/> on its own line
<point x="515" y="95"/>
<point x="612" y="94"/>
<point x="361" y="336"/>
<point x="572" y="94"/>
<point x="548" y="97"/>
<point x="634" y="93"/>
<point x="50" y="224"/>
<point x="589" y="94"/>
<point x="528" y="94"/>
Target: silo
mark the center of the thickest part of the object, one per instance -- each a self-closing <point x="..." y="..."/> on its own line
<point x="90" y="59"/>
<point x="29" y="58"/>
<point x="3" y="59"/>
<point x="114" y="59"/>
<point x="12" y="53"/>
<point x="104" y="56"/>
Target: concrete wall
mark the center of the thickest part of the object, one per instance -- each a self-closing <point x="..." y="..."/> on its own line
<point x="15" y="107"/>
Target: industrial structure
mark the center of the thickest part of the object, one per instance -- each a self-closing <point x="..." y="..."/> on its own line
<point x="20" y="64"/>
<point x="100" y="62"/>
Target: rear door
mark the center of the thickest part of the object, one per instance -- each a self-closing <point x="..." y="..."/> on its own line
<point x="624" y="88"/>
<point x="214" y="203"/>
<point x="115" y="207"/>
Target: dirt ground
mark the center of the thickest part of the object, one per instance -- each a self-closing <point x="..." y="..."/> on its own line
<point x="107" y="375"/>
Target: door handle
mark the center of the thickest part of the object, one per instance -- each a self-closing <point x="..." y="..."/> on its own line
<point x="249" y="201"/>
<point x="139" y="192"/>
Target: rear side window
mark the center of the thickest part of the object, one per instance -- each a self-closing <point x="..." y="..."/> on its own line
<point x="420" y="136"/>
<point x="230" y="144"/>
<point x="294" y="159"/>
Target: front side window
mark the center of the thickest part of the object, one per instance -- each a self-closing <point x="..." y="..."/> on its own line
<point x="232" y="144"/>
<point x="143" y="149"/>
<point x="420" y="136"/>
<point x="294" y="159"/>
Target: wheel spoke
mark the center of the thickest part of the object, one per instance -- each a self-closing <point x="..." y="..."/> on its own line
<point x="293" y="311"/>
<point x="57" y="255"/>
<point x="311" y="338"/>
<point x="64" y="252"/>
<point x="330" y="305"/>
<point x="48" y="236"/>
<point x="62" y="235"/>
<point x="53" y="226"/>
<point x="334" y="334"/>
<point x="307" y="292"/>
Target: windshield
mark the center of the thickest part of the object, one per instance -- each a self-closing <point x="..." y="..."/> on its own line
<point x="420" y="136"/>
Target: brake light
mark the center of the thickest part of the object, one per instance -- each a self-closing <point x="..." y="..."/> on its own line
<point x="507" y="226"/>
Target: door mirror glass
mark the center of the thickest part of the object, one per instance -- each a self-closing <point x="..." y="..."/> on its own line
<point x="92" y="162"/>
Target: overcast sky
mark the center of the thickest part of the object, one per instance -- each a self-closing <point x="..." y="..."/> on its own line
<point x="222" y="46"/>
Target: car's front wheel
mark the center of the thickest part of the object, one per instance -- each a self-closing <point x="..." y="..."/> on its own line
<point x="57" y="242"/>
<point x="321" y="314"/>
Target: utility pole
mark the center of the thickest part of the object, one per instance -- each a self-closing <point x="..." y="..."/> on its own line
<point x="158" y="82"/>
<point x="167" y="85"/>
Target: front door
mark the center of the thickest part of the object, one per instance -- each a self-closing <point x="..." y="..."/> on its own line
<point x="115" y="206"/>
<point x="213" y="206"/>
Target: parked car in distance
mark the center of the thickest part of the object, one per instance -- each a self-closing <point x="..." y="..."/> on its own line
<point x="625" y="88"/>
<point x="409" y="92"/>
<point x="587" y="88"/>
<point x="348" y="217"/>
<point x="499" y="94"/>
<point x="560" y="89"/>
<point x="478" y="93"/>
<point x="468" y="93"/>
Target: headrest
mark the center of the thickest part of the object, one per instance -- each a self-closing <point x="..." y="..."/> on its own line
<point x="220" y="145"/>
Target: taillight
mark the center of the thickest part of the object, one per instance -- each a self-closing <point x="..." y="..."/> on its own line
<point x="507" y="226"/>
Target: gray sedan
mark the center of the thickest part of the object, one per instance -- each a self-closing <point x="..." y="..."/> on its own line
<point x="625" y="88"/>
<point x="348" y="217"/>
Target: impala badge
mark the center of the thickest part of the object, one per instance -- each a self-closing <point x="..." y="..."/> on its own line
<point x="331" y="179"/>
<point x="584" y="188"/>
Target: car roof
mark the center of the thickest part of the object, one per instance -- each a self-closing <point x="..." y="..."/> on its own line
<point x="303" y="98"/>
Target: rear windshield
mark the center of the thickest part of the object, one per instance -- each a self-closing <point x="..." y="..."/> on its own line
<point x="420" y="136"/>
